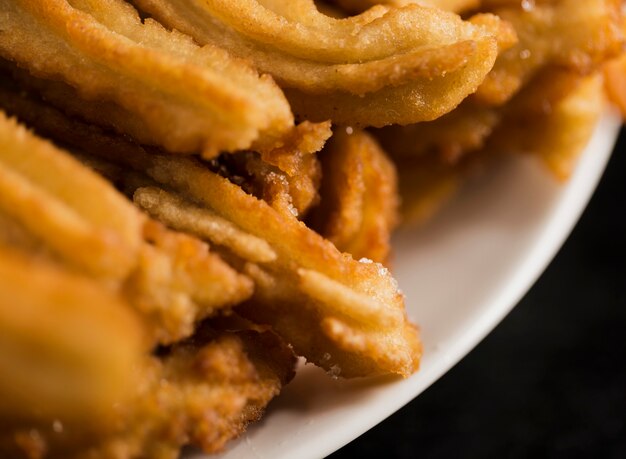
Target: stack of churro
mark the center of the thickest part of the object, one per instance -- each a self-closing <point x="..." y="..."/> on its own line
<point x="194" y="193"/>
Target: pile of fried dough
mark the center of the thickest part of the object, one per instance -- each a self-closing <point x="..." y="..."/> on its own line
<point x="195" y="193"/>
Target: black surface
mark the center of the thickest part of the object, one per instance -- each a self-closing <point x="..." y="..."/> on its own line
<point x="550" y="381"/>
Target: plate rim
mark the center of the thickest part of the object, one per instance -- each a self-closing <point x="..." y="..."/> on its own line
<point x="558" y="221"/>
<point x="566" y="214"/>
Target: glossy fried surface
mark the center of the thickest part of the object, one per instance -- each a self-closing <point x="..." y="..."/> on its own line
<point x="397" y="65"/>
<point x="565" y="33"/>
<point x="98" y="231"/>
<point x="359" y="196"/>
<point x="78" y="376"/>
<point x="155" y="85"/>
<point x="172" y="236"/>
<point x="353" y="310"/>
<point x="615" y="78"/>
<point x="347" y="309"/>
<point x="170" y="278"/>
<point x="202" y="392"/>
<point x="561" y="133"/>
<point x="559" y="108"/>
<point x="68" y="347"/>
<point x="457" y="6"/>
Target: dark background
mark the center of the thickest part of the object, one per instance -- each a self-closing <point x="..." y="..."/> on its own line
<point x="550" y="380"/>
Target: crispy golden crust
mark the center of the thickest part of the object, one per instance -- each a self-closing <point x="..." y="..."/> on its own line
<point x="397" y="65"/>
<point x="452" y="136"/>
<point x="156" y="85"/>
<point x="201" y="393"/>
<point x="76" y="377"/>
<point x="559" y="108"/>
<point x="181" y="215"/>
<point x="179" y="282"/>
<point x="68" y="346"/>
<point x="343" y="297"/>
<point x="350" y="310"/>
<point x="568" y="34"/>
<point x="552" y="34"/>
<point x="132" y="337"/>
<point x="287" y="173"/>
<point x="466" y="129"/>
<point x="561" y="131"/>
<point x="291" y="191"/>
<point x="58" y="209"/>
<point x="359" y="196"/>
<point x="615" y="82"/>
<point x="456" y="6"/>
<point x="412" y="103"/>
<point x="97" y="230"/>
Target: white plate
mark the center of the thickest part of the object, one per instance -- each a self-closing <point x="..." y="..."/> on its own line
<point x="461" y="274"/>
